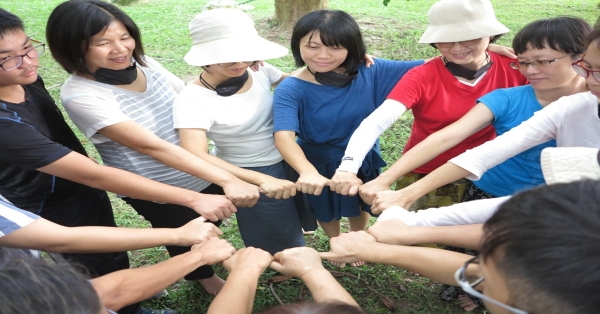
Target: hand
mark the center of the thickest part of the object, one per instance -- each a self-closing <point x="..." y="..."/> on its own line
<point x="214" y="250"/>
<point x="255" y="67"/>
<point x="346" y="247"/>
<point x="311" y="183"/>
<point x="392" y="231"/>
<point x="241" y="194"/>
<point x="345" y="183"/>
<point x="386" y="199"/>
<point x="369" y="190"/>
<point x="278" y="189"/>
<point x="250" y="258"/>
<point x="369" y="60"/>
<point x="503" y="51"/>
<point x="297" y="261"/>
<point x="197" y="231"/>
<point x="213" y="207"/>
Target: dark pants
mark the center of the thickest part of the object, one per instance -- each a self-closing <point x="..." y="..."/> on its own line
<point x="174" y="216"/>
<point x="90" y="209"/>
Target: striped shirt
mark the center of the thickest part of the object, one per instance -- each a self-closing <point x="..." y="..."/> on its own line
<point x="93" y="106"/>
<point x="12" y="218"/>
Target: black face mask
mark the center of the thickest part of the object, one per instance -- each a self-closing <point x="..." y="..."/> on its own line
<point x="461" y="71"/>
<point x="117" y="77"/>
<point x="333" y="79"/>
<point x="229" y="87"/>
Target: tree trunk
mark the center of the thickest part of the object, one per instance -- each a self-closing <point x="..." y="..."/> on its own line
<point x="288" y="12"/>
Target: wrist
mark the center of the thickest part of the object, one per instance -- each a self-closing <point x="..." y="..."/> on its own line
<point x="314" y="273"/>
<point x="387" y="178"/>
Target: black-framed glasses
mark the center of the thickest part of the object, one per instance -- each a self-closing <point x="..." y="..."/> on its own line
<point x="469" y="43"/>
<point x="534" y="64"/>
<point x="16" y="61"/>
<point x="583" y="71"/>
<point x="228" y="64"/>
<point x="468" y="283"/>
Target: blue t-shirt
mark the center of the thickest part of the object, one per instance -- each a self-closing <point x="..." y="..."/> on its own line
<point x="329" y="115"/>
<point x="13" y="218"/>
<point x="324" y="118"/>
<point x="510" y="107"/>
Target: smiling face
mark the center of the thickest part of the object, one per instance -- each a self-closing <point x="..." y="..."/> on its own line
<point x="545" y="77"/>
<point x="111" y="49"/>
<point x="471" y="56"/>
<point x="319" y="57"/>
<point x="591" y="61"/>
<point x="13" y="44"/>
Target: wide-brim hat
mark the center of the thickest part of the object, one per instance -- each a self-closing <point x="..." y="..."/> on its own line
<point x="460" y="20"/>
<point x="228" y="35"/>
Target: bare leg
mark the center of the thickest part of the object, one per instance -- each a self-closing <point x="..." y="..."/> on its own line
<point x="332" y="230"/>
<point x="212" y="285"/>
<point x="359" y="223"/>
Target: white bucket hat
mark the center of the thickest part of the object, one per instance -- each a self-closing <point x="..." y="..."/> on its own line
<point x="460" y="20"/>
<point x="228" y="35"/>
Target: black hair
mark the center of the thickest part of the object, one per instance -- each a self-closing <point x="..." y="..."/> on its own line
<point x="9" y="23"/>
<point x="492" y="40"/>
<point x="72" y="25"/>
<point x="594" y="36"/>
<point x="336" y="28"/>
<point x="30" y="285"/>
<point x="565" y="33"/>
<point x="315" y="308"/>
<point x="544" y="242"/>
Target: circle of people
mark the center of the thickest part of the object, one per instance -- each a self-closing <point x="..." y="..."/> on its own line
<point x="490" y="122"/>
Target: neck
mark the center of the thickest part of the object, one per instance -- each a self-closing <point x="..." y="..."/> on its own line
<point x="12" y="93"/>
<point x="574" y="86"/>
<point x="477" y="63"/>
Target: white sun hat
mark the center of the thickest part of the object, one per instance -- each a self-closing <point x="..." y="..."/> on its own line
<point x="228" y="35"/>
<point x="460" y="20"/>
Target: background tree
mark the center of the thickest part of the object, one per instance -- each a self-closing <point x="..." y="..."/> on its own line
<point x="287" y="12"/>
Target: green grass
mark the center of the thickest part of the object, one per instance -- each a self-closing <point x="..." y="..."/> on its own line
<point x="390" y="32"/>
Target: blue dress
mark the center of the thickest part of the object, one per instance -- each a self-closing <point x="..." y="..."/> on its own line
<point x="510" y="107"/>
<point x="324" y="118"/>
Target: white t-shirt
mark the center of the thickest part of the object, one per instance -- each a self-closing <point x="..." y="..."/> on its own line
<point x="572" y="120"/>
<point x="93" y="105"/>
<point x="241" y="125"/>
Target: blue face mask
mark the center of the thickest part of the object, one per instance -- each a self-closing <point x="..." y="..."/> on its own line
<point x="117" y="77"/>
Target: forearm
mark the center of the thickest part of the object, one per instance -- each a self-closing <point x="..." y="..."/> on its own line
<point x="443" y="175"/>
<point x="241" y="286"/>
<point x="249" y="176"/>
<point x="292" y="153"/>
<point x="466" y="236"/>
<point x="433" y="263"/>
<point x="125" y="287"/>
<point x="365" y="136"/>
<point x="324" y="288"/>
<point x="48" y="236"/>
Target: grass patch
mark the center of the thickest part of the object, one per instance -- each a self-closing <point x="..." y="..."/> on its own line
<point x="390" y="32"/>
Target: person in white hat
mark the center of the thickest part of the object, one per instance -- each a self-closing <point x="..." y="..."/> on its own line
<point x="233" y="106"/>
<point x="438" y="93"/>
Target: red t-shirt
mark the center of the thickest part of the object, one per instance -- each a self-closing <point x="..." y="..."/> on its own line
<point x="438" y="99"/>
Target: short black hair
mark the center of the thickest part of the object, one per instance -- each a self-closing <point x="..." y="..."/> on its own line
<point x="9" y="23"/>
<point x="564" y="33"/>
<point x="592" y="37"/>
<point x="336" y="28"/>
<point x="544" y="242"/>
<point x="30" y="285"/>
<point x="315" y="308"/>
<point x="73" y="23"/>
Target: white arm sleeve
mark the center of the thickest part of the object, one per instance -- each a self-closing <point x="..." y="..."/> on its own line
<point x="469" y="213"/>
<point x="368" y="131"/>
<point x="540" y="128"/>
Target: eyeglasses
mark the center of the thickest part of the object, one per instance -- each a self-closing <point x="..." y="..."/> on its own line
<point x="583" y="71"/>
<point x="228" y="64"/>
<point x="471" y="42"/>
<point x="468" y="282"/>
<point x="16" y="61"/>
<point x="535" y="64"/>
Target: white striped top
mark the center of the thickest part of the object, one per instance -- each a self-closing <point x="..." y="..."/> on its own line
<point x="93" y="106"/>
